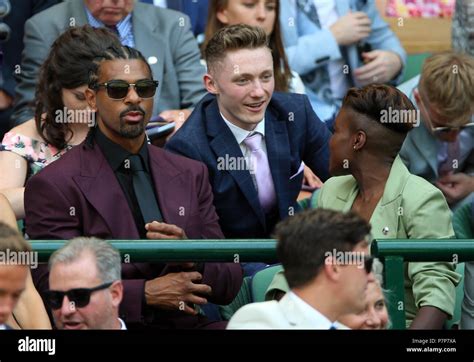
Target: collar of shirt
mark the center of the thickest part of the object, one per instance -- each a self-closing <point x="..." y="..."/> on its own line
<point x="160" y="3"/>
<point x="2" y="327"/>
<point x="124" y="27"/>
<point x="311" y="315"/>
<point x="116" y="154"/>
<point x="240" y="134"/>
<point x="122" y="324"/>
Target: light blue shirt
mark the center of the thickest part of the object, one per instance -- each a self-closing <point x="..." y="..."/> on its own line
<point x="124" y="28"/>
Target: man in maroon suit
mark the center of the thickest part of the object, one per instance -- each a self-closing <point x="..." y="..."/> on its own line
<point x="116" y="186"/>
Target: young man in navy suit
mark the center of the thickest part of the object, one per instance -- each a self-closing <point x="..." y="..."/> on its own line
<point x="253" y="141"/>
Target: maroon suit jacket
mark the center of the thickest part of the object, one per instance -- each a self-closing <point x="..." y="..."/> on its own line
<point x="79" y="195"/>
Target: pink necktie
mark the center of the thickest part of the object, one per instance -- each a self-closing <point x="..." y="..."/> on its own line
<point x="261" y="169"/>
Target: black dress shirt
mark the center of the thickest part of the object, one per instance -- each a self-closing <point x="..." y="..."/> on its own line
<point x="117" y="157"/>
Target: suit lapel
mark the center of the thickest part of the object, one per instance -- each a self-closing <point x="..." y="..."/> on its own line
<point x="78" y="13"/>
<point x="389" y="212"/>
<point x="102" y="190"/>
<point x="278" y="149"/>
<point x="386" y="217"/>
<point x="344" y="195"/>
<point x="171" y="187"/>
<point x="225" y="146"/>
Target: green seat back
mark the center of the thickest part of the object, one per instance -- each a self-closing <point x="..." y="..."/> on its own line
<point x="261" y="280"/>
<point x="242" y="298"/>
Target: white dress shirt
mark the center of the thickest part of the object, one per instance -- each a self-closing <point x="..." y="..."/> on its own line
<point x="312" y="315"/>
<point x="160" y="3"/>
<point x="123" y="327"/>
<point x="240" y="135"/>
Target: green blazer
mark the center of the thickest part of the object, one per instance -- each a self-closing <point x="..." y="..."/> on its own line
<point x="410" y="208"/>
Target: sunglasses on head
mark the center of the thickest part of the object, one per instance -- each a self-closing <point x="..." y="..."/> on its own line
<point x="80" y="296"/>
<point x="118" y="89"/>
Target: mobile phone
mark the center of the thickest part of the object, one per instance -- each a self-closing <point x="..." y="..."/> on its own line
<point x="363" y="47"/>
<point x="159" y="131"/>
<point x="156" y="121"/>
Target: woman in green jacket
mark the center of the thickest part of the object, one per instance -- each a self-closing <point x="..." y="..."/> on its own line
<point x="371" y="179"/>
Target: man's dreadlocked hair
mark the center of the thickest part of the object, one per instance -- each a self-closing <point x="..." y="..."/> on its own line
<point x="115" y="52"/>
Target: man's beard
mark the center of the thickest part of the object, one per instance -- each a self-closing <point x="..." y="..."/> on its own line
<point x="131" y="131"/>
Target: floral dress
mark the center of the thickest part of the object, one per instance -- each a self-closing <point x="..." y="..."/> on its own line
<point x="37" y="154"/>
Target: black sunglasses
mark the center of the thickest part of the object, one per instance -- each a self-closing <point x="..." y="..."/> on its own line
<point x="368" y="263"/>
<point x="118" y="89"/>
<point x="80" y="296"/>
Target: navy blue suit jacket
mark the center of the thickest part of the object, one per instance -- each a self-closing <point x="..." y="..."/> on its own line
<point x="293" y="133"/>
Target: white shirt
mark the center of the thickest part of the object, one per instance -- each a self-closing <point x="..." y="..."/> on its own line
<point x="328" y="15"/>
<point x="160" y="3"/>
<point x="240" y="134"/>
<point x="2" y="327"/>
<point x="312" y="315"/>
<point x="123" y="327"/>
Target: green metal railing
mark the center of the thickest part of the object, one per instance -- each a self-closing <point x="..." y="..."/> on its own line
<point x="133" y="251"/>
<point x="393" y="253"/>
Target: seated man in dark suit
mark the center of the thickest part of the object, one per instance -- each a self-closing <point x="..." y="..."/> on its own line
<point x="252" y="140"/>
<point x="162" y="35"/>
<point x="116" y="186"/>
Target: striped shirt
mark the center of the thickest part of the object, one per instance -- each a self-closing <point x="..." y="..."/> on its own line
<point x="124" y="28"/>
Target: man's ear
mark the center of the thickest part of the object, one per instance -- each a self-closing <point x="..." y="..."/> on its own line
<point x="331" y="269"/>
<point x="210" y="84"/>
<point x="116" y="291"/>
<point x="91" y="99"/>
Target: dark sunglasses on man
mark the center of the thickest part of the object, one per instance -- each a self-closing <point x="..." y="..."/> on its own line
<point x="80" y="296"/>
<point x="368" y="263"/>
<point x="118" y="89"/>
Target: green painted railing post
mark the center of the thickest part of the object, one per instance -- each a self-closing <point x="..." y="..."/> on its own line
<point x="394" y="283"/>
